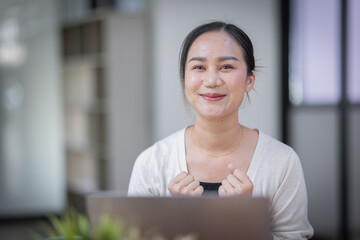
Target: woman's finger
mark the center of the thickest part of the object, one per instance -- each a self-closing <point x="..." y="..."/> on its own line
<point x="245" y="180"/>
<point x="240" y="183"/>
<point x="198" y="191"/>
<point x="231" y="168"/>
<point x="193" y="185"/>
<point x="185" y="184"/>
<point x="228" y="188"/>
<point x="233" y="181"/>
<point x="177" y="178"/>
<point x="190" y="187"/>
<point x="187" y="180"/>
<point x="221" y="191"/>
<point x="174" y="186"/>
<point x="241" y="175"/>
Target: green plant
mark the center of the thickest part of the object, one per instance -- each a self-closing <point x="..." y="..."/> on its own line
<point x="74" y="226"/>
<point x="112" y="229"/>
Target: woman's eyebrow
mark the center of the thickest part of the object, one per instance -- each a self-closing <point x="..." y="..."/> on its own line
<point x="201" y="59"/>
<point x="221" y="59"/>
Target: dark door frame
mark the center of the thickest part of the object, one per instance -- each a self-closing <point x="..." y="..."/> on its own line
<point x="342" y="107"/>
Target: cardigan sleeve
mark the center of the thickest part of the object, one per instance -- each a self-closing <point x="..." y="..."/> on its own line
<point x="141" y="180"/>
<point x="289" y="208"/>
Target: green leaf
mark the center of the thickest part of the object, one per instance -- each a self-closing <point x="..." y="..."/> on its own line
<point x="73" y="225"/>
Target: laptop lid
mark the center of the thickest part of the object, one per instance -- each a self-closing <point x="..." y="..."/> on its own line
<point x="208" y="217"/>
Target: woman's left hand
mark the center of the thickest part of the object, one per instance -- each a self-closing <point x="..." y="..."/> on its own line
<point x="236" y="183"/>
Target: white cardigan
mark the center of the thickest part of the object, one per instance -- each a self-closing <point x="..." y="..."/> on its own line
<point x="275" y="171"/>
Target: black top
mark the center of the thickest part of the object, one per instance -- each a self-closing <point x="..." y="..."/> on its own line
<point x="210" y="188"/>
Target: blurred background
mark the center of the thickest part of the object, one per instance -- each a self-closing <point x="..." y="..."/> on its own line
<point x="86" y="85"/>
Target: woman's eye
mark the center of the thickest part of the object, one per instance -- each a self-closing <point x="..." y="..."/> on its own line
<point x="199" y="68"/>
<point x="226" y="67"/>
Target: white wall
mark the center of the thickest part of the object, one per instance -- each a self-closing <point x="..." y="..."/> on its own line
<point x="128" y="134"/>
<point x="172" y="20"/>
<point x="32" y="169"/>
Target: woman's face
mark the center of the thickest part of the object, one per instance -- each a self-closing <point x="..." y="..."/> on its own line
<point x="216" y="76"/>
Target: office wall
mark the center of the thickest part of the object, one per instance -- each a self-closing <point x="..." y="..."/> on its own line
<point x="172" y="20"/>
<point x="32" y="171"/>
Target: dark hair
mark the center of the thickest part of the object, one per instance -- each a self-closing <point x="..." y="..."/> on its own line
<point x="239" y="35"/>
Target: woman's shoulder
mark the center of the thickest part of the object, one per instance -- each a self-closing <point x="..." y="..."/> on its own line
<point x="276" y="161"/>
<point x="276" y="150"/>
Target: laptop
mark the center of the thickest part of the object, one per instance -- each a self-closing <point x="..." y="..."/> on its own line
<point x="206" y="218"/>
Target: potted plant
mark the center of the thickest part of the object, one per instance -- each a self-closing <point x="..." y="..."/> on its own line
<point x="75" y="226"/>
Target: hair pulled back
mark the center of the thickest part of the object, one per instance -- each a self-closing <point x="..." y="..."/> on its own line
<point x="236" y="33"/>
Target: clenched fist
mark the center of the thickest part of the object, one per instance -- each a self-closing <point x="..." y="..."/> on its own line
<point x="236" y="183"/>
<point x="185" y="184"/>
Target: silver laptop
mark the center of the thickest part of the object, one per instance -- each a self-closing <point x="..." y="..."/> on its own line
<point x="206" y="217"/>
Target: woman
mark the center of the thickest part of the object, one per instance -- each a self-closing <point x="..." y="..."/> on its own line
<point x="217" y="154"/>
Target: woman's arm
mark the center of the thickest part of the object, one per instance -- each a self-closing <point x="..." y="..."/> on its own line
<point x="141" y="181"/>
<point x="289" y="208"/>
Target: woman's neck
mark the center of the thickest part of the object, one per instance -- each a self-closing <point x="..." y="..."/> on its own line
<point x="216" y="136"/>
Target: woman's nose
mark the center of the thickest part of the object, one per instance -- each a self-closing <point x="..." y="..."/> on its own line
<point x="212" y="80"/>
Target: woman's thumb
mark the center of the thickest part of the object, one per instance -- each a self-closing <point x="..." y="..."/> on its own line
<point x="231" y="168"/>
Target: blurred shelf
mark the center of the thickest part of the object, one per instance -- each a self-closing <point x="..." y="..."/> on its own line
<point x="97" y="59"/>
<point x="97" y="106"/>
<point x="102" y="116"/>
<point x="96" y="149"/>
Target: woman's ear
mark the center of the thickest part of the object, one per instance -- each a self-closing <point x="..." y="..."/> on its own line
<point x="250" y="81"/>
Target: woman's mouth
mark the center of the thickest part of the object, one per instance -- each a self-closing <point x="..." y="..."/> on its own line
<point x="212" y="96"/>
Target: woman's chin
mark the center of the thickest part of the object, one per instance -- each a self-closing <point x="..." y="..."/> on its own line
<point x="212" y="114"/>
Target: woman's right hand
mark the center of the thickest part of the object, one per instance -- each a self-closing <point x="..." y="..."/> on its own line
<point x="185" y="184"/>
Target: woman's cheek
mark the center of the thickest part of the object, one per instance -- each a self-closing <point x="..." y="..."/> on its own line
<point x="193" y="80"/>
<point x="192" y="84"/>
<point x="238" y="79"/>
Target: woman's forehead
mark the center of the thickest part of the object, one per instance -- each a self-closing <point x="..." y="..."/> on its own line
<point x="214" y="43"/>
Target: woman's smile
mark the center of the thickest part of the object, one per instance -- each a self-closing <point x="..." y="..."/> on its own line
<point x="212" y="96"/>
<point x="216" y="76"/>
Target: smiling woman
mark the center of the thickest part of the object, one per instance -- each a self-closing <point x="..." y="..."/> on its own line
<point x="218" y="154"/>
<point x="216" y="75"/>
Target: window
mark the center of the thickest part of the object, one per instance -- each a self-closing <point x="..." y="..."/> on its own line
<point x="353" y="53"/>
<point x="314" y="52"/>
